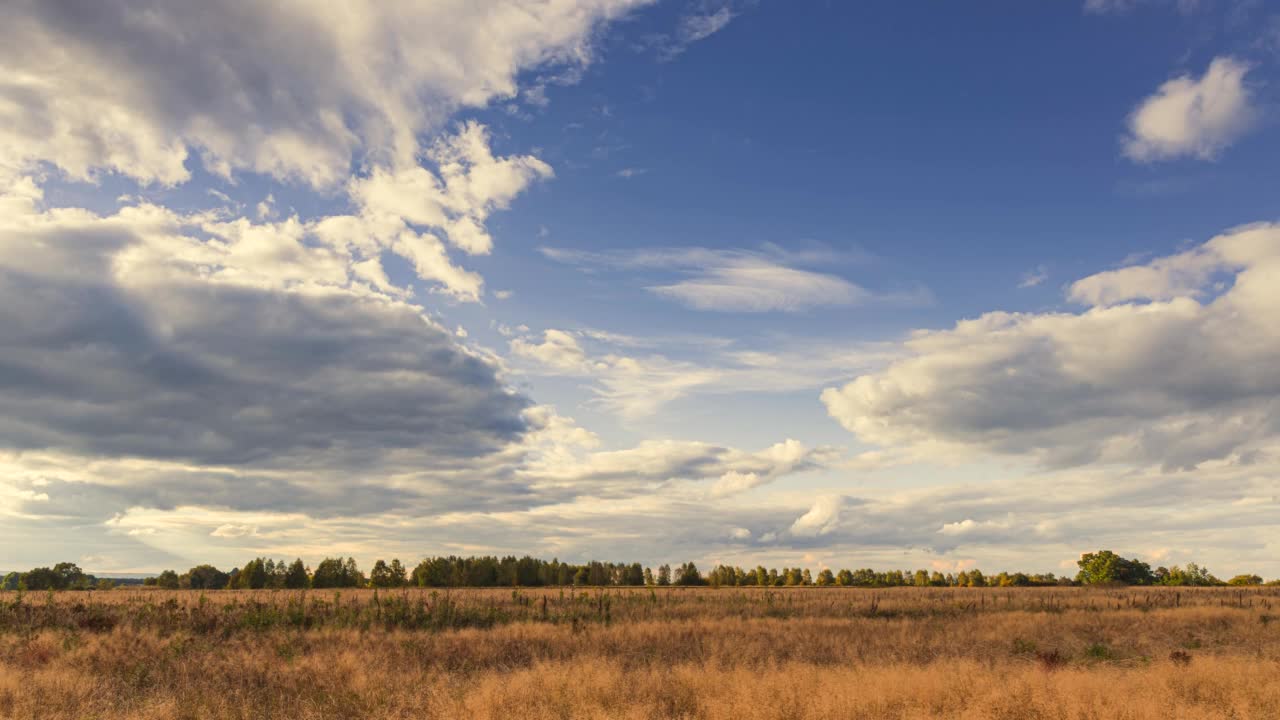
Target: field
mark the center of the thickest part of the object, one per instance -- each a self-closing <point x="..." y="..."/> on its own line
<point x="640" y="653"/>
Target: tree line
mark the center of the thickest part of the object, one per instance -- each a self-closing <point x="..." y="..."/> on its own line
<point x="1103" y="567"/>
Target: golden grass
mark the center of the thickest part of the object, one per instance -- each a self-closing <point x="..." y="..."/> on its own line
<point x="682" y="653"/>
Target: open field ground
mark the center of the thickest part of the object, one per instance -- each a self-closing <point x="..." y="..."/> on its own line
<point x="639" y="653"/>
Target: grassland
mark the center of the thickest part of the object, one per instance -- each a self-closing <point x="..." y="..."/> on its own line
<point x="639" y="653"/>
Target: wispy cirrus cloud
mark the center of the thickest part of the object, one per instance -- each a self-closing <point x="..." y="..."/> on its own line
<point x="735" y="280"/>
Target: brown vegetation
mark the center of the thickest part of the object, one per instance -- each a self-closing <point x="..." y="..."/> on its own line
<point x="665" y="653"/>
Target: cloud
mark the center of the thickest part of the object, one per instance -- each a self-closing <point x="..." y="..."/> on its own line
<point x="171" y="337"/>
<point x="738" y="280"/>
<point x="468" y="184"/>
<point x="1034" y="277"/>
<point x="1193" y="117"/>
<point x="821" y="519"/>
<point x="635" y="384"/>
<point x="1120" y="7"/>
<point x="628" y="173"/>
<point x="709" y="18"/>
<point x="273" y="88"/>
<point x="1170" y="365"/>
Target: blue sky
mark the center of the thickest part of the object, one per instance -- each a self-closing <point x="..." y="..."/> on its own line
<point x="822" y="283"/>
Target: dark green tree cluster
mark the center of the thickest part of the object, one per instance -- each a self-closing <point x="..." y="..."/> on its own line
<point x="63" y="576"/>
<point x="510" y="571"/>
<point x="1103" y="567"/>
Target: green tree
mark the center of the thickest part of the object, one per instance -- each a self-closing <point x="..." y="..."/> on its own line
<point x="844" y="578"/>
<point x="826" y="577"/>
<point x="205" y="577"/>
<point x="635" y="575"/>
<point x="167" y="580"/>
<point x="399" y="577"/>
<point x="336" y="573"/>
<point x="380" y="575"/>
<point x="1107" y="568"/>
<point x="295" y="578"/>
<point x="664" y="575"/>
<point x="1245" y="580"/>
<point x="688" y="575"/>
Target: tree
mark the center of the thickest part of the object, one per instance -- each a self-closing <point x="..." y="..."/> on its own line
<point x="635" y="575"/>
<point x="252" y="576"/>
<point x="336" y="573"/>
<point x="167" y="580"/>
<point x="1245" y="580"/>
<point x="398" y="576"/>
<point x="295" y="578"/>
<point x="844" y="578"/>
<point x="664" y="575"/>
<point x="10" y="581"/>
<point x="205" y="577"/>
<point x="826" y="577"/>
<point x="380" y="575"/>
<point x="688" y="575"/>
<point x="1193" y="575"/>
<point x="1107" y="568"/>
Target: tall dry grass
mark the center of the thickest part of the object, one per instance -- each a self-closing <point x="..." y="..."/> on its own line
<point x="729" y="653"/>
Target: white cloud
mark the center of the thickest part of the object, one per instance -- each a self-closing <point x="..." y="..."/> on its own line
<point x="275" y="88"/>
<point x="753" y="285"/>
<point x="1193" y="117"/>
<point x="1118" y="7"/>
<point x="1034" y="277"/>
<point x="739" y="280"/>
<point x="231" y="530"/>
<point x="821" y="519"/>
<point x="636" y="385"/>
<point x="706" y="19"/>
<point x="1171" y="365"/>
<point x="468" y="185"/>
<point x="187" y="338"/>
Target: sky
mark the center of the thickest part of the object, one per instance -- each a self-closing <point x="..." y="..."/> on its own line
<point x="891" y="285"/>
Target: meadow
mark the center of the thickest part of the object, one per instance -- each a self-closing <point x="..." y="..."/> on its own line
<point x="807" y="652"/>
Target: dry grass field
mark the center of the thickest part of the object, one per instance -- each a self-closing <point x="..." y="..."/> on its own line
<point x="1069" y="653"/>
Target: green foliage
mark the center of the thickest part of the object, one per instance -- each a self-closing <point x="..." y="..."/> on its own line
<point x="1192" y="575"/>
<point x="1245" y="580"/>
<point x="337" y="573"/>
<point x="688" y="575"/>
<point x="204" y="577"/>
<point x="63" y="576"/>
<point x="296" y="577"/>
<point x="1107" y="568"/>
<point x="167" y="580"/>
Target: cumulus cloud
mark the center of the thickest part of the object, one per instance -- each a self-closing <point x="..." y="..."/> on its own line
<point x="274" y="88"/>
<point x="182" y="337"/>
<point x="821" y="519"/>
<point x="1170" y="365"/>
<point x="1195" y="117"/>
<point x="468" y="184"/>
